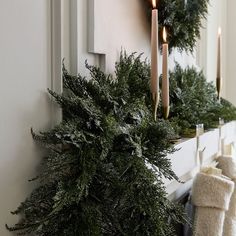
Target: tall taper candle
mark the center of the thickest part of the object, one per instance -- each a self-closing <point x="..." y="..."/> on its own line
<point x="154" y="58"/>
<point x="218" y="75"/>
<point x="165" y="77"/>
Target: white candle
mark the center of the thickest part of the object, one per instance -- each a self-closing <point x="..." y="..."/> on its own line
<point x="165" y="77"/>
<point x="154" y="58"/>
<point x="218" y="74"/>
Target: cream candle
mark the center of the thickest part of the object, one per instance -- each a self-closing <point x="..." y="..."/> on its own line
<point x="165" y="77"/>
<point x="218" y="74"/>
<point x="154" y="58"/>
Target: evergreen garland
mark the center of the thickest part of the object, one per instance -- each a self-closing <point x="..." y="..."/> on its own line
<point x="103" y="174"/>
<point x="182" y="18"/>
<point x="194" y="101"/>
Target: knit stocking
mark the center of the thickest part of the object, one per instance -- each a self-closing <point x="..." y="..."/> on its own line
<point x="228" y="166"/>
<point x="211" y="196"/>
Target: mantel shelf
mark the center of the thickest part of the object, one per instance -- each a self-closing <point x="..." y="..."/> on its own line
<point x="193" y="153"/>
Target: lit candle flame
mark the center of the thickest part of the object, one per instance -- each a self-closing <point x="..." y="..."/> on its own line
<point x="219" y="31"/>
<point x="164" y="34"/>
<point x="154" y="3"/>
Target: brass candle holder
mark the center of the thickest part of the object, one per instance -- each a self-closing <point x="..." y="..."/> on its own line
<point x="218" y="86"/>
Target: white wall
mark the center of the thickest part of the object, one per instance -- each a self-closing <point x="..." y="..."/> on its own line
<point x="82" y="37"/>
<point x="117" y="24"/>
<point x="231" y="51"/>
<point x="221" y="14"/>
<point x="207" y="54"/>
<point x="25" y="65"/>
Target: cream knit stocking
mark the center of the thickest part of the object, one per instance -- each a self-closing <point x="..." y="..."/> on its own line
<point x="228" y="166"/>
<point x="211" y="196"/>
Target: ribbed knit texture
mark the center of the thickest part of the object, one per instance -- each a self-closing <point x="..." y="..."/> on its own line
<point x="211" y="195"/>
<point x="228" y="166"/>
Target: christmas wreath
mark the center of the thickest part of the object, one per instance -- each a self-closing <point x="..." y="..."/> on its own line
<point x="183" y="20"/>
<point x="96" y="178"/>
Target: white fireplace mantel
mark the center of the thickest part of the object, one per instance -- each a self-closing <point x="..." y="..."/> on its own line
<point x="186" y="162"/>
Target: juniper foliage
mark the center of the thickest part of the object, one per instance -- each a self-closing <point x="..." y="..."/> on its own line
<point x="103" y="172"/>
<point x="183" y="20"/>
<point x="194" y="101"/>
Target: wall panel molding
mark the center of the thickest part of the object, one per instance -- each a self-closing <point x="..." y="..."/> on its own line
<point x="56" y="56"/>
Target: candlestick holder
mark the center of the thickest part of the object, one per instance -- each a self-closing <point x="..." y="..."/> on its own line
<point x="166" y="112"/>
<point x="218" y="86"/>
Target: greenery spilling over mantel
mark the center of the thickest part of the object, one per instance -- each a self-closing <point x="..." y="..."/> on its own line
<point x="183" y="20"/>
<point x="193" y="101"/>
<point x="103" y="174"/>
<point x="105" y="163"/>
